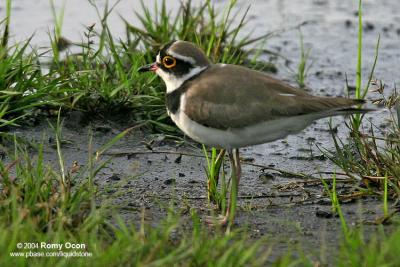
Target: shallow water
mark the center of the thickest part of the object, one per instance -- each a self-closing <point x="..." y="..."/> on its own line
<point x="36" y="17"/>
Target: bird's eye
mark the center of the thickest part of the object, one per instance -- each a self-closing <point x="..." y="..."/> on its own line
<point x="169" y="62"/>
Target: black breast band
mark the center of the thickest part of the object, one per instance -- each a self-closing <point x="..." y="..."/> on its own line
<point x="173" y="99"/>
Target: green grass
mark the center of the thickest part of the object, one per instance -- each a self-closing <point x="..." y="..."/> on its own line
<point x="355" y="249"/>
<point x="304" y="65"/>
<point x="359" y="92"/>
<point x="379" y="250"/>
<point x="215" y="163"/>
<point x="336" y="205"/>
<point x="374" y="159"/>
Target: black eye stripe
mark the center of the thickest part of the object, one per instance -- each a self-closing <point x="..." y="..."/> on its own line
<point x="181" y="68"/>
<point x="182" y="62"/>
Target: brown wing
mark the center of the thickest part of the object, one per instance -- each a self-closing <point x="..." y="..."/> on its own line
<point x="233" y="97"/>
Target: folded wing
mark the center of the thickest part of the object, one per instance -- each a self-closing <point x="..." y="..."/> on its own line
<point x="235" y="97"/>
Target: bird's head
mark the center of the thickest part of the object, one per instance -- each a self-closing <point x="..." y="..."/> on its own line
<point x="177" y="62"/>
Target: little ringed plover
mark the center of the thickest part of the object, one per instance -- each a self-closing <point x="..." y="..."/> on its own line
<point x="230" y="106"/>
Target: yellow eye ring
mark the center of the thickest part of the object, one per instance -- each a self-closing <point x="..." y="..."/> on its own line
<point x="169" y="62"/>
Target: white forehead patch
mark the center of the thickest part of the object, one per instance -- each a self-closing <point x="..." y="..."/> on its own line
<point x="158" y="59"/>
<point x="184" y="58"/>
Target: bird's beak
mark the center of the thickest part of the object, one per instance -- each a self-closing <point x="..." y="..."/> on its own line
<point x="149" y="67"/>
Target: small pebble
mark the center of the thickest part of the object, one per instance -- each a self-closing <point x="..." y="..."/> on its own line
<point x="324" y="214"/>
<point x="115" y="177"/>
<point x="169" y="181"/>
<point x="178" y="160"/>
<point x="369" y="26"/>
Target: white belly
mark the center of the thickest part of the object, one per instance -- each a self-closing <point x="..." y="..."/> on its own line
<point x="260" y="133"/>
<point x="235" y="138"/>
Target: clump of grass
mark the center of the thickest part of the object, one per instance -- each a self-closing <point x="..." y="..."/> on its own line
<point x="23" y="87"/>
<point x="371" y="157"/>
<point x="38" y="195"/>
<point x="13" y="68"/>
<point x="215" y="163"/>
<point x="304" y="66"/>
<point x="102" y="79"/>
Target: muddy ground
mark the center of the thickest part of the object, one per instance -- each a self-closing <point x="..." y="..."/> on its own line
<point x="288" y="210"/>
<point x="271" y="204"/>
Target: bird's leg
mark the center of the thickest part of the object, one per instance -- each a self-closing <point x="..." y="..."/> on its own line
<point x="236" y="174"/>
<point x="235" y="178"/>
